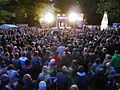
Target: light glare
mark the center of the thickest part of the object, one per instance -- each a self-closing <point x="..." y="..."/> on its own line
<point x="48" y="17"/>
<point x="72" y="17"/>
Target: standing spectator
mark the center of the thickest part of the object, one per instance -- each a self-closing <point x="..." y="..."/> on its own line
<point x="82" y="79"/>
<point x="45" y="76"/>
<point x="52" y="67"/>
<point x="42" y="85"/>
<point x="1" y="50"/>
<point x="23" y="58"/>
<point x="62" y="79"/>
<point x="12" y="73"/>
<point x="74" y="87"/>
<point x="3" y="68"/>
<point x="29" y="84"/>
<point x="3" y="81"/>
<point x="27" y="68"/>
<point x="36" y="63"/>
<point x="61" y="49"/>
<point x="110" y="71"/>
<point x="16" y="61"/>
<point x="116" y="60"/>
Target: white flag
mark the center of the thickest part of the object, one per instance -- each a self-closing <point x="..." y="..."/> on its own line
<point x="104" y="22"/>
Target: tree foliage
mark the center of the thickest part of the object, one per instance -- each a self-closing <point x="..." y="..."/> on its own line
<point x="112" y="7"/>
<point x="22" y="11"/>
<point x="64" y="5"/>
<point x="89" y="8"/>
<point x="29" y="11"/>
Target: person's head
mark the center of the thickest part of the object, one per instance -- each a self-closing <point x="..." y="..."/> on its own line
<point x="23" y="54"/>
<point x="108" y="56"/>
<point x="104" y="50"/>
<point x="16" y="55"/>
<point x="75" y="64"/>
<point x="27" y="79"/>
<point x="4" y="78"/>
<point x="66" y="49"/>
<point x="27" y="62"/>
<point x="7" y="54"/>
<point x="42" y="85"/>
<point x="11" y="66"/>
<point x="45" y="69"/>
<point x="97" y="61"/>
<point x="108" y="65"/>
<point x="81" y="69"/>
<point x="116" y="52"/>
<point x="2" y="64"/>
<point x="35" y="53"/>
<point x="74" y="87"/>
<point x="52" y="62"/>
<point x="64" y="69"/>
<point x="12" y="55"/>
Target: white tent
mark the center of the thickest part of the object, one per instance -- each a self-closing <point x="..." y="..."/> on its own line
<point x="104" y="22"/>
<point x="8" y="26"/>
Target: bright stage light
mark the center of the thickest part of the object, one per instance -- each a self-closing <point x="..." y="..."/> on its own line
<point x="72" y="17"/>
<point x="48" y="17"/>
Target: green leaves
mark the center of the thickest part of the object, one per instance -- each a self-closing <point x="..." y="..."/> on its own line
<point x="23" y="11"/>
<point x="112" y="7"/>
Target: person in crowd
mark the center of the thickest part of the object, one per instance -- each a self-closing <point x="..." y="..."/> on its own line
<point x="110" y="71"/>
<point x="106" y="60"/>
<point x="3" y="80"/>
<point x="86" y="47"/>
<point x="12" y="73"/>
<point x="62" y="79"/>
<point x="6" y="58"/>
<point x="29" y="84"/>
<point x="45" y="76"/>
<point x="82" y="78"/>
<point x="36" y="59"/>
<point x="60" y="50"/>
<point x="3" y="68"/>
<point x="23" y="58"/>
<point x="100" y="80"/>
<point x="27" y="68"/>
<point x="42" y="85"/>
<point x="52" y="68"/>
<point x="16" y="61"/>
<point x="74" y="87"/>
<point x="116" y="60"/>
<point x="36" y="62"/>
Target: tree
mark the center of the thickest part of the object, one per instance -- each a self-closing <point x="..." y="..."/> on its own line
<point x="5" y="15"/>
<point x="29" y="11"/>
<point x="22" y="11"/>
<point x="113" y="9"/>
<point x="64" y="5"/>
<point x="89" y="8"/>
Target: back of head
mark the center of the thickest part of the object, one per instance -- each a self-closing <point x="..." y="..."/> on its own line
<point x="64" y="68"/>
<point x="74" y="87"/>
<point x="10" y="67"/>
<point x="45" y="69"/>
<point x="27" y="79"/>
<point x="42" y="85"/>
<point x="35" y="53"/>
<point x="116" y="52"/>
<point x="52" y="62"/>
<point x="108" y="56"/>
<point x="27" y="62"/>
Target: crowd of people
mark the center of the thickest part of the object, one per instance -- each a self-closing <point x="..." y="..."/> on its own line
<point x="59" y="59"/>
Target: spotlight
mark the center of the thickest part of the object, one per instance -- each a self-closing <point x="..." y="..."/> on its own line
<point x="48" y="17"/>
<point x="72" y="17"/>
